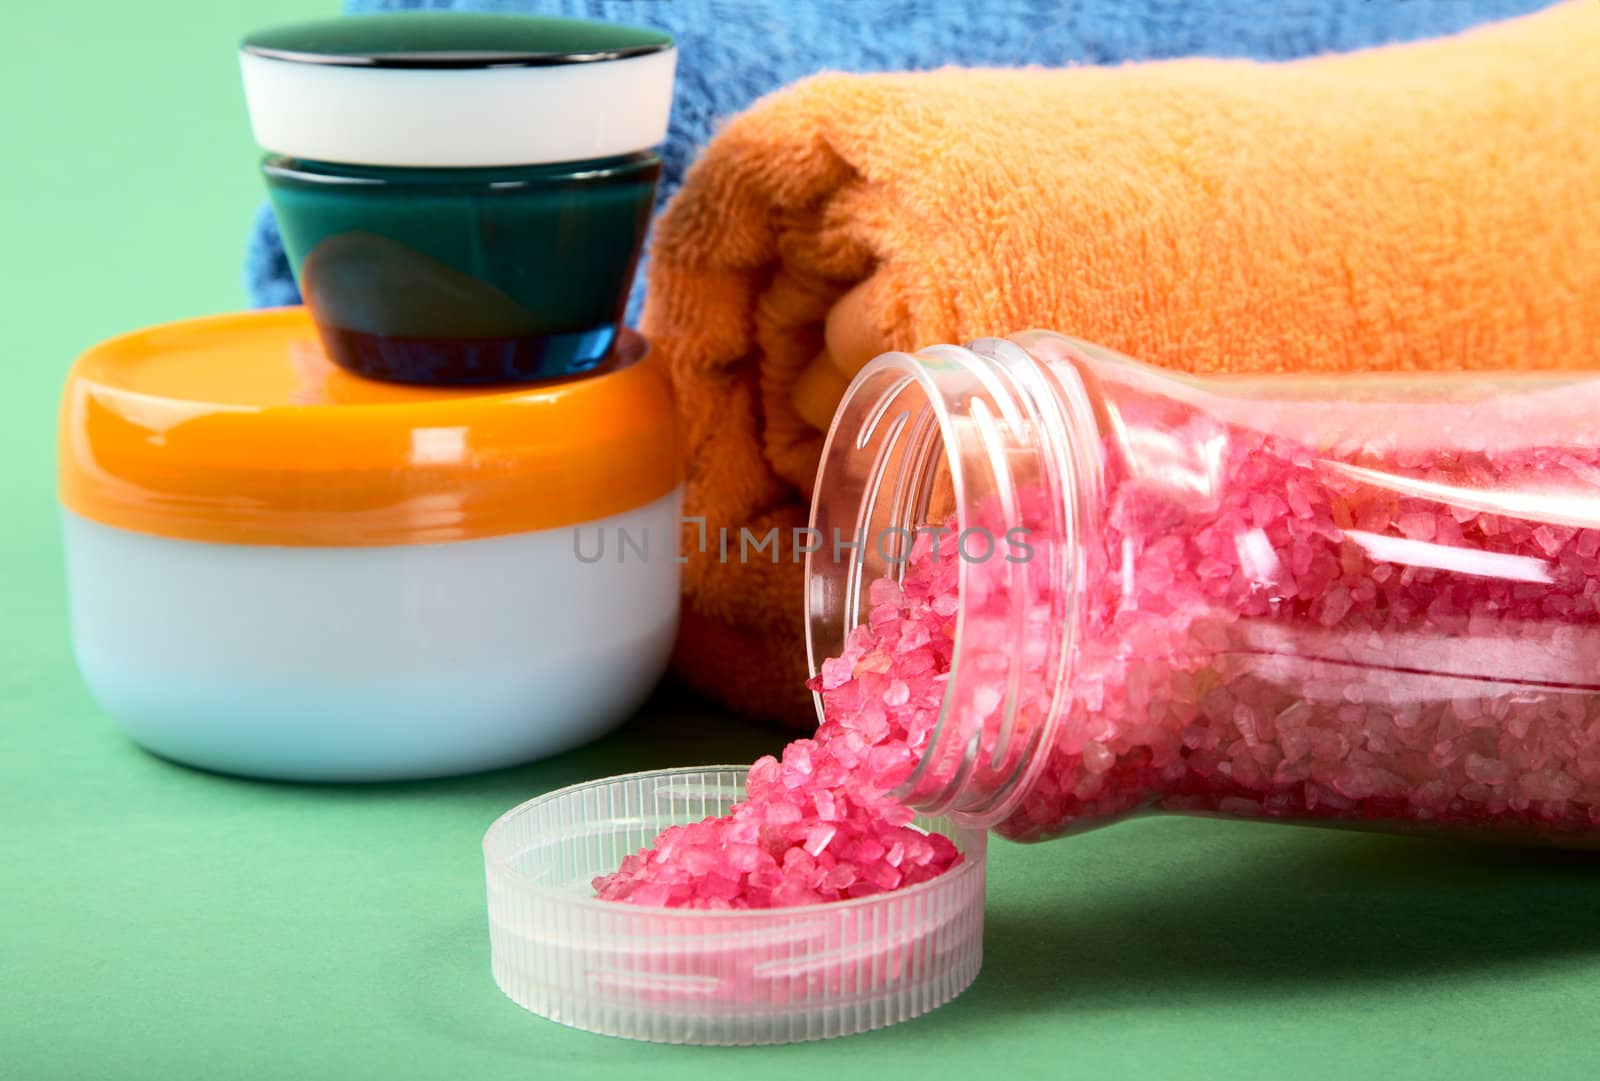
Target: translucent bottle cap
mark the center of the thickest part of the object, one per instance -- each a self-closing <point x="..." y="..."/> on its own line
<point x="707" y="977"/>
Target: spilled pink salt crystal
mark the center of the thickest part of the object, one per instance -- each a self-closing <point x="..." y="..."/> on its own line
<point x="819" y="824"/>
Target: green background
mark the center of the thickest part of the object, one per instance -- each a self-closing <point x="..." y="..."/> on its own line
<point x="161" y="923"/>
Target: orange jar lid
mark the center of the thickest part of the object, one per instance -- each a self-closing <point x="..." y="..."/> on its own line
<point x="237" y="429"/>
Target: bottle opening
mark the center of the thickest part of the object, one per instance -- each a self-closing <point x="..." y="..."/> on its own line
<point x="972" y="465"/>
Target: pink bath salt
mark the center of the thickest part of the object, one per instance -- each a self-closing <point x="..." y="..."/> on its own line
<point x="809" y="845"/>
<point x="1306" y="642"/>
<point x="1360" y="653"/>
<point x="819" y="824"/>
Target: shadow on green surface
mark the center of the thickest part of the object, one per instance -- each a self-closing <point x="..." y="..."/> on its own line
<point x="674" y="728"/>
<point x="1254" y="913"/>
<point x="1304" y="915"/>
<point x="1162" y="914"/>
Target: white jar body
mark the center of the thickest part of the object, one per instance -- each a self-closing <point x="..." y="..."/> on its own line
<point x="374" y="663"/>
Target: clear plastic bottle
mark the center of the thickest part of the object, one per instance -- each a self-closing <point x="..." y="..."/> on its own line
<point x="1366" y="601"/>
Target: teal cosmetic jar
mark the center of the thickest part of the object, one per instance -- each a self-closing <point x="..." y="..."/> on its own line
<point x="463" y="197"/>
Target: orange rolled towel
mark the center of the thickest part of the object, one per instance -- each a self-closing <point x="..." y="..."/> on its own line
<point x="1423" y="206"/>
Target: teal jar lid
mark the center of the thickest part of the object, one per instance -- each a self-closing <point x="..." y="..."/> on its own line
<point x="455" y="89"/>
<point x="454" y="40"/>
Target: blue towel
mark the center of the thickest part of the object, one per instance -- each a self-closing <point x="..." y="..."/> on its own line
<point x="733" y="51"/>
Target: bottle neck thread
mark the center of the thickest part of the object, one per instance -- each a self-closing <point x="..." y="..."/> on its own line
<point x="995" y="452"/>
